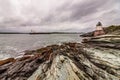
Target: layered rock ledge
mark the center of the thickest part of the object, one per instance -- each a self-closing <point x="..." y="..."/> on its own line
<point x="68" y="61"/>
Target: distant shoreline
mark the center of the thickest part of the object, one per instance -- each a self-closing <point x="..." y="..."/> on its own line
<point x="46" y="33"/>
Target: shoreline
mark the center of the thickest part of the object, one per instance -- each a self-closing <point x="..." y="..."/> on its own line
<point x="45" y="33"/>
<point x="67" y="54"/>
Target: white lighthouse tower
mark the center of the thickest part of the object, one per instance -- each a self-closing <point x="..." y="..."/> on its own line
<point x="99" y="29"/>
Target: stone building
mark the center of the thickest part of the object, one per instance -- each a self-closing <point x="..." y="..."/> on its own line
<point x="99" y="30"/>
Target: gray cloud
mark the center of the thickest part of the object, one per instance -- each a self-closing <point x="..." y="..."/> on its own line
<point x="80" y="10"/>
<point x="54" y="15"/>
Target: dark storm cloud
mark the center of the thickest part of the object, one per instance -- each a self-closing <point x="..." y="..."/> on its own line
<point x="54" y="15"/>
<point x="77" y="11"/>
<point x="88" y="8"/>
<point x="80" y="10"/>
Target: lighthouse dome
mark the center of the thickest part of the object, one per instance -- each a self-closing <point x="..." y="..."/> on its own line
<point x="99" y="26"/>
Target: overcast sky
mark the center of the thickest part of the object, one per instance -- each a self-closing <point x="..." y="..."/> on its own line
<point x="57" y="15"/>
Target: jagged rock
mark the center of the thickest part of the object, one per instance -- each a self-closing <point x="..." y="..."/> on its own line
<point x="2" y="62"/>
<point x="107" y="41"/>
<point x="68" y="61"/>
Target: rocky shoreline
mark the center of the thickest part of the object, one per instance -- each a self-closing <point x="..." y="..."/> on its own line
<point x="107" y="41"/>
<point x="68" y="61"/>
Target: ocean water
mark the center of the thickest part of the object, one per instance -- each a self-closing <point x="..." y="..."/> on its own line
<point x="14" y="45"/>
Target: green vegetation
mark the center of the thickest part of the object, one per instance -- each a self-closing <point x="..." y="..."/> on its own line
<point x="113" y="29"/>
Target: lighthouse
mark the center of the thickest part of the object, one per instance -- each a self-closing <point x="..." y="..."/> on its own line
<point x="99" y="30"/>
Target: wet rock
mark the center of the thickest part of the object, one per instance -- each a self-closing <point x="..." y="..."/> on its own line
<point x="2" y="62"/>
<point x="68" y="61"/>
<point x="107" y="41"/>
